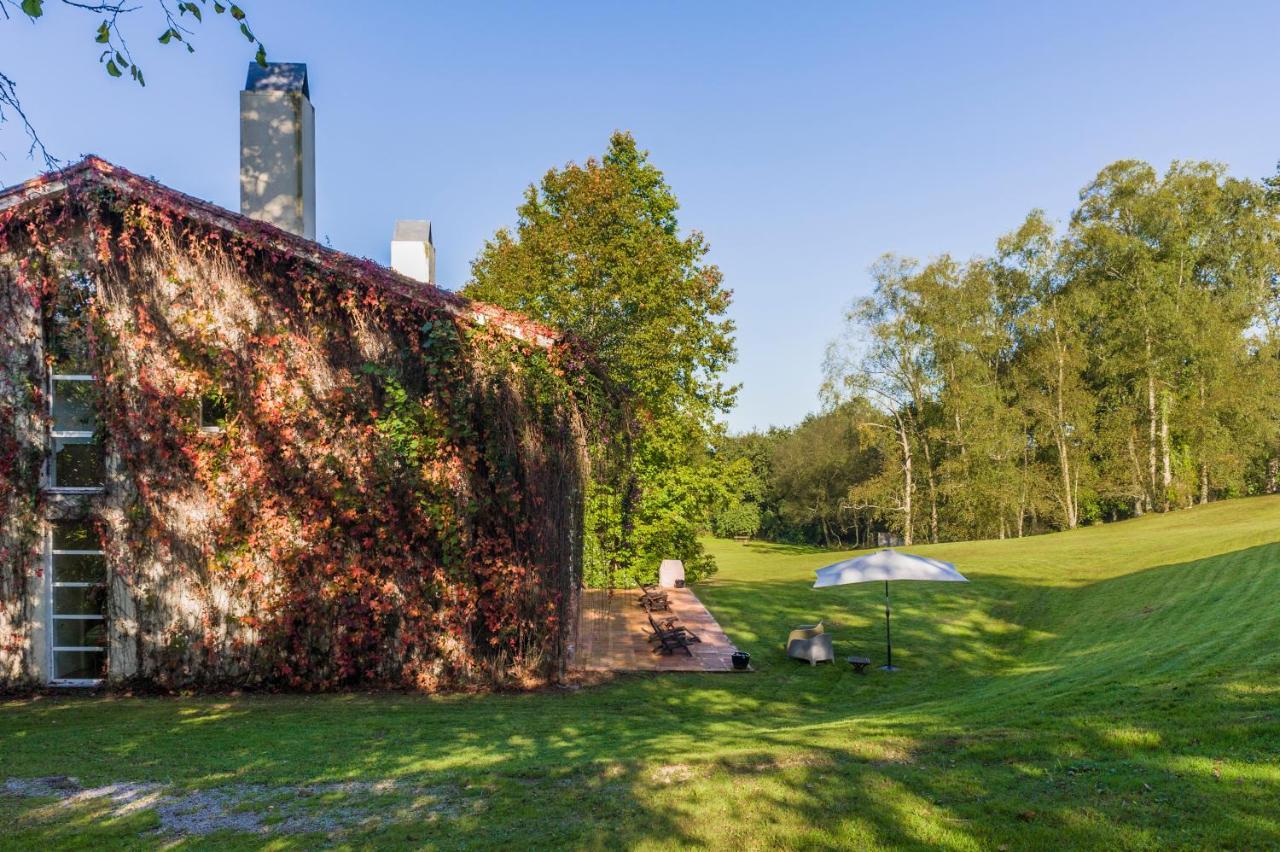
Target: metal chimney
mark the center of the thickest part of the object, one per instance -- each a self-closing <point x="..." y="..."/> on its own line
<point x="278" y="147"/>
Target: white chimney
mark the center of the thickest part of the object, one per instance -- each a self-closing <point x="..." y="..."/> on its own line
<point x="278" y="147"/>
<point x="412" y="252"/>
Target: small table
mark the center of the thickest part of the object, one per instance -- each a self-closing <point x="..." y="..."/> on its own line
<point x="859" y="664"/>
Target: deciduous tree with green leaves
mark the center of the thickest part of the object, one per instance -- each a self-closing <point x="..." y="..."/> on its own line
<point x="1174" y="274"/>
<point x="597" y="251"/>
<point x="1132" y="365"/>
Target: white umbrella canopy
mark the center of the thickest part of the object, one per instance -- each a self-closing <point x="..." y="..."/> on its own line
<point x="886" y="565"/>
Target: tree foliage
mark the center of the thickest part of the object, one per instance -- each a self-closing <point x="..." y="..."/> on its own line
<point x="597" y="250"/>
<point x="1127" y="365"/>
<point x="797" y="480"/>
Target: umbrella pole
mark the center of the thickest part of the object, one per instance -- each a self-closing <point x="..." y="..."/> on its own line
<point x="888" y="635"/>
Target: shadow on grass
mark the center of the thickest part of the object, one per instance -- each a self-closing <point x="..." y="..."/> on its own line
<point x="1132" y="712"/>
<point x="762" y="547"/>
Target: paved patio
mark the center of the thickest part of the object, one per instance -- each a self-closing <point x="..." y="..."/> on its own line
<point x="612" y="635"/>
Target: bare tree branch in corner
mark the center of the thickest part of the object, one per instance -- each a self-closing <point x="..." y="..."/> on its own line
<point x="114" y="53"/>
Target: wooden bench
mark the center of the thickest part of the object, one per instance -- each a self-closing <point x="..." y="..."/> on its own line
<point x="859" y="664"/>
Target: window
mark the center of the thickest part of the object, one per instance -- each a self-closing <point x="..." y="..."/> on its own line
<point x="77" y="604"/>
<point x="216" y="411"/>
<point x="66" y="325"/>
<point x="77" y="461"/>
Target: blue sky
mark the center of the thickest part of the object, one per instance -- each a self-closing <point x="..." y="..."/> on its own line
<point x="803" y="139"/>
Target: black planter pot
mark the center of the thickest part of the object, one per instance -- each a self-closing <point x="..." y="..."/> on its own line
<point x="741" y="659"/>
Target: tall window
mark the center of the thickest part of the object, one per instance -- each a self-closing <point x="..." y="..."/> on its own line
<point x="76" y="462"/>
<point x="78" y="597"/>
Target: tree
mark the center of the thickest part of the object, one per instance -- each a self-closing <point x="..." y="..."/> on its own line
<point x="737" y="519"/>
<point x="1173" y="273"/>
<point x="981" y="457"/>
<point x="110" y="41"/>
<point x="737" y="510"/>
<point x="597" y="251"/>
<point x="1130" y="366"/>
<point x="882" y="356"/>
<point x="1047" y="371"/>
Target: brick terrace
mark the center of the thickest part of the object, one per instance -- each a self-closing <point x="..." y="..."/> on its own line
<point x="613" y="635"/>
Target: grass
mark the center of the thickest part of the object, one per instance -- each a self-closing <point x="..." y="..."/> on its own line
<point x="1116" y="687"/>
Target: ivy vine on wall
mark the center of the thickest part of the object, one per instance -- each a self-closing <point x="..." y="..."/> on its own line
<point x="392" y="496"/>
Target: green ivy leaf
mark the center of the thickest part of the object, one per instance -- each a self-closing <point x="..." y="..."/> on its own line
<point x="219" y="8"/>
<point x="167" y="36"/>
<point x="120" y="61"/>
<point x="237" y="12"/>
<point x="112" y="69"/>
<point x="33" y="8"/>
<point x="261" y="56"/>
<point x="104" y="33"/>
<point x="194" y="10"/>
<point x="244" y="28"/>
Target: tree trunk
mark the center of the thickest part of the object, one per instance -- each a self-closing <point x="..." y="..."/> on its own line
<point x="1141" y="500"/>
<point x="1064" y="468"/>
<point x="1153" y="426"/>
<point x="907" y="485"/>
<point x="1204" y="483"/>
<point x="1075" y="495"/>
<point x="1022" y="491"/>
<point x="933" y="492"/>
<point x="1166" y="473"/>
<point x="1060" y="436"/>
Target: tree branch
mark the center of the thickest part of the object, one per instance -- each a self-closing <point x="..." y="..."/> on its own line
<point x="9" y="101"/>
<point x="115" y="56"/>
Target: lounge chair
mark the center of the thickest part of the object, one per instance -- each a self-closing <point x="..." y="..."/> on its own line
<point x="669" y="640"/>
<point x="670" y="625"/>
<point x="653" y="602"/>
<point x="809" y="642"/>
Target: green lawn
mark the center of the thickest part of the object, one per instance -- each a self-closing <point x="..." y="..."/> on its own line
<point x="1115" y="687"/>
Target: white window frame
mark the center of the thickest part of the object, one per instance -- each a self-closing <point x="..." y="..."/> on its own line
<point x="52" y="619"/>
<point x="55" y="434"/>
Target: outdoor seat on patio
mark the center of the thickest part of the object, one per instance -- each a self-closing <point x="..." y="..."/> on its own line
<point x="671" y="622"/>
<point x="809" y="642"/>
<point x="669" y="640"/>
<point x="669" y="625"/>
<point x="652" y="602"/>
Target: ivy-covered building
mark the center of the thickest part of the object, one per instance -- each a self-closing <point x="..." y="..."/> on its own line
<point x="230" y="456"/>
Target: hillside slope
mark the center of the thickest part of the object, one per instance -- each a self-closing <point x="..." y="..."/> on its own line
<point x="1151" y="645"/>
<point x="1111" y="688"/>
